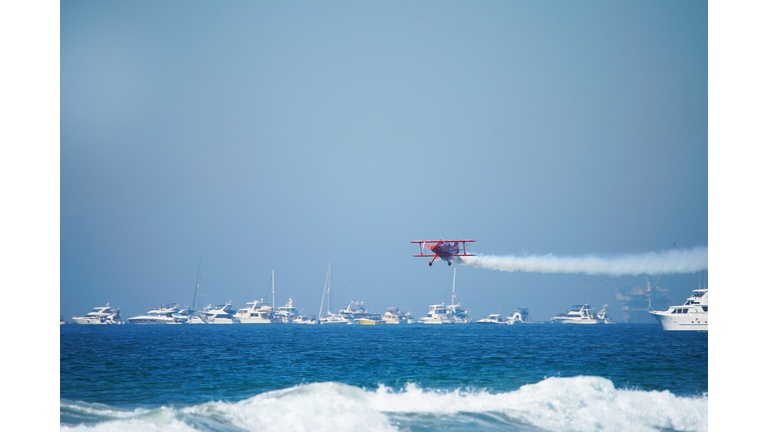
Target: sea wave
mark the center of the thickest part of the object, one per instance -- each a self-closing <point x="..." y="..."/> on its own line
<point x="583" y="403"/>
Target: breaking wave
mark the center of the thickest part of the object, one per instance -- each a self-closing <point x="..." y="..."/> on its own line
<point x="583" y="403"/>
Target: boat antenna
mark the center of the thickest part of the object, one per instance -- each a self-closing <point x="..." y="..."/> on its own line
<point x="197" y="285"/>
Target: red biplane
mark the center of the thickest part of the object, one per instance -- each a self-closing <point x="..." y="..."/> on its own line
<point x="444" y="249"/>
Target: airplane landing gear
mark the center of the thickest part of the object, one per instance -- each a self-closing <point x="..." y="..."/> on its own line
<point x="449" y="263"/>
<point x="430" y="264"/>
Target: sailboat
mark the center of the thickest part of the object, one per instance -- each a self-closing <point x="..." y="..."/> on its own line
<point x="456" y="313"/>
<point x="330" y="317"/>
<point x="197" y="318"/>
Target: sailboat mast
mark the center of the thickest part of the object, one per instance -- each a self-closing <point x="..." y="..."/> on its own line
<point x="322" y="300"/>
<point x="273" y="290"/>
<point x="453" y="290"/>
<point x="197" y="285"/>
<point x="326" y="287"/>
<point x="329" y="287"/>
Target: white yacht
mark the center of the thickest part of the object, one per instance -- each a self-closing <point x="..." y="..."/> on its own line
<point x="257" y="312"/>
<point x="438" y="314"/>
<point x="603" y="315"/>
<point x="693" y="315"/>
<point x="182" y="316"/>
<point x="301" y="319"/>
<point x="491" y="319"/>
<point x="100" y="315"/>
<point x="335" y="319"/>
<point x="161" y="315"/>
<point x="579" y="314"/>
<point x="519" y="317"/>
<point x="458" y="314"/>
<point x="288" y="313"/>
<point x="197" y="318"/>
<point x="393" y="315"/>
<point x="221" y="314"/>
<point x="355" y="312"/>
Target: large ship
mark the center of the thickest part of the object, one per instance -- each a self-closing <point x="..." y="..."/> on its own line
<point x="636" y="302"/>
<point x="693" y="315"/>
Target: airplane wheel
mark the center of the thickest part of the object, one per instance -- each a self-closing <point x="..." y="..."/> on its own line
<point x="430" y="264"/>
<point x="449" y="263"/>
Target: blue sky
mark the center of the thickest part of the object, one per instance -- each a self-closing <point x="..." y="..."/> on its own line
<point x="281" y="135"/>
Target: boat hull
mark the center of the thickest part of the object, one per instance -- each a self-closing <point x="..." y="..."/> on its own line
<point x="682" y="322"/>
<point x="254" y="320"/>
<point x="151" y="320"/>
<point x="93" y="321"/>
<point x="434" y="321"/>
<point x="576" y="321"/>
<point x="369" y="322"/>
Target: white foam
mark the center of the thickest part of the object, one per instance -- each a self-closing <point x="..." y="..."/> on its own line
<point x="570" y="404"/>
<point x="557" y="404"/>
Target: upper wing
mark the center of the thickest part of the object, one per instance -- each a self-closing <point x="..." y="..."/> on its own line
<point x="426" y="245"/>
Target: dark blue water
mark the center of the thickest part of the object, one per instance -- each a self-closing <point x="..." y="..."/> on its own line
<point x="129" y="367"/>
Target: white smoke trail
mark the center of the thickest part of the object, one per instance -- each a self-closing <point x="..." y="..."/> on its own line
<point x="657" y="263"/>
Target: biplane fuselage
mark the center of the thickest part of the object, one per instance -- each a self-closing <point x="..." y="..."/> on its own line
<point x="443" y="249"/>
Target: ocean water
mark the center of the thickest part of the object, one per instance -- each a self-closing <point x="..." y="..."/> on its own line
<point x="535" y="377"/>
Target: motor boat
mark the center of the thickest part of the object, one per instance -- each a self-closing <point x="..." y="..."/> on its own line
<point x="579" y="314"/>
<point x="221" y="314"/>
<point x="288" y="313"/>
<point x="457" y="314"/>
<point x="603" y="315"/>
<point x="354" y="312"/>
<point x="370" y="319"/>
<point x="519" y="317"/>
<point x="161" y="315"/>
<point x="197" y="317"/>
<point x="256" y="312"/>
<point x="305" y="320"/>
<point x="438" y="314"/>
<point x="491" y="319"/>
<point x="393" y="315"/>
<point x="336" y="319"/>
<point x="100" y="315"/>
<point x="693" y="315"/>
